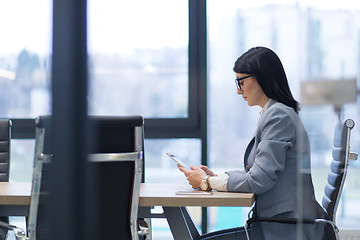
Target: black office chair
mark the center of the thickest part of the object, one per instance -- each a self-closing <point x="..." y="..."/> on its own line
<point x="37" y="184"/>
<point x="116" y="168"/>
<point x="38" y="225"/>
<point x="117" y="161"/>
<point x="336" y="179"/>
<point x="339" y="165"/>
<point x="5" y="136"/>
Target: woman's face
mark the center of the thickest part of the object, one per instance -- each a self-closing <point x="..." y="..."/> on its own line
<point x="251" y="91"/>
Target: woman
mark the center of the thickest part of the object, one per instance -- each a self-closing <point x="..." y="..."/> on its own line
<point x="277" y="159"/>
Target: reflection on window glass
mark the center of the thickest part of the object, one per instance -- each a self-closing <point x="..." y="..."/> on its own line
<point x="314" y="42"/>
<point x="138" y="58"/>
<point x="25" y="48"/>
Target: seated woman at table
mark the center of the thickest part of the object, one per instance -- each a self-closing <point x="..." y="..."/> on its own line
<point x="273" y="157"/>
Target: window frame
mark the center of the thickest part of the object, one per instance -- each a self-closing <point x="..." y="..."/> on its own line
<point x="195" y="125"/>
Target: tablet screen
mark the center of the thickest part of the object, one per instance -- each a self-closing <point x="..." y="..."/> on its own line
<point x="172" y="156"/>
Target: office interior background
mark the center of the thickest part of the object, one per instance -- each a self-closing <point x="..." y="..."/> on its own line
<point x="143" y="58"/>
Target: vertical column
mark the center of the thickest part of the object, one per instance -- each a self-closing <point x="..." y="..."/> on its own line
<point x="198" y="74"/>
<point x="69" y="106"/>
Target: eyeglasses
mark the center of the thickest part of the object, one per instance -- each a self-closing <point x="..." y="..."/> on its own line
<point x="237" y="81"/>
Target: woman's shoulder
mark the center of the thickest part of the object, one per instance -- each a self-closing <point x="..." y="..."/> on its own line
<point x="278" y="108"/>
<point x="279" y="121"/>
<point x="279" y="114"/>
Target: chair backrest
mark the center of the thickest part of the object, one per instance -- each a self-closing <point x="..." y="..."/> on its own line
<point x="341" y="155"/>
<point x="5" y="136"/>
<point x="116" y="169"/>
<point x="117" y="165"/>
<point x="38" y="222"/>
<point x="118" y="134"/>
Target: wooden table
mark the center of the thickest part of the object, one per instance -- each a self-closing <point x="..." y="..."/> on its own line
<point x="160" y="194"/>
<point x="15" y="201"/>
<point x="174" y="206"/>
<point x="15" y="198"/>
<point x="151" y="194"/>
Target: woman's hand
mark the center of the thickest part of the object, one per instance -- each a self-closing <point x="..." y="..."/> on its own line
<point x="207" y="170"/>
<point x="196" y="174"/>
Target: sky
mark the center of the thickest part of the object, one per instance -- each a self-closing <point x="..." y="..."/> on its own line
<point x="25" y="24"/>
<point x="119" y="26"/>
<point x="136" y="24"/>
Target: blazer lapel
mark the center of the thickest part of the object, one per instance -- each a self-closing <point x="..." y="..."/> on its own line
<point x="247" y="152"/>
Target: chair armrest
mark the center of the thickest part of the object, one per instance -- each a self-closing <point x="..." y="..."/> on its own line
<point x="280" y="220"/>
<point x="19" y="233"/>
<point x="6" y="225"/>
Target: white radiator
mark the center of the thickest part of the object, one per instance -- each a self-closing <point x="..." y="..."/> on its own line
<point x="349" y="234"/>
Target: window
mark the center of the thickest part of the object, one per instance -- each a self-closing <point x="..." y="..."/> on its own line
<point x="25" y="49"/>
<point x="147" y="62"/>
<point x="21" y="160"/>
<point x="314" y="42"/>
<point x="142" y="62"/>
<point x="161" y="169"/>
<point x="138" y="59"/>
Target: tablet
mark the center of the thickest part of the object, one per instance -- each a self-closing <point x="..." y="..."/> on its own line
<point x="193" y="192"/>
<point x="172" y="156"/>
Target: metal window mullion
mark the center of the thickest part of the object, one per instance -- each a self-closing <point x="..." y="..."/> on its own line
<point x="198" y="77"/>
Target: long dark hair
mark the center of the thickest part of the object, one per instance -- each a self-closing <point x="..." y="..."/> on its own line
<point x="266" y="67"/>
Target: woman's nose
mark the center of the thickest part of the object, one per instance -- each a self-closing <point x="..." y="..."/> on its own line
<point x="239" y="91"/>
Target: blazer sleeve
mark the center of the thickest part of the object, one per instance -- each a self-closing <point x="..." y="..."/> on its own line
<point x="277" y="135"/>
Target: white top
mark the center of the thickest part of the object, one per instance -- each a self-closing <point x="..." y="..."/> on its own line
<point x="219" y="182"/>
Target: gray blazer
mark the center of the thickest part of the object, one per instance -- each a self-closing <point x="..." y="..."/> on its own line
<point x="277" y="170"/>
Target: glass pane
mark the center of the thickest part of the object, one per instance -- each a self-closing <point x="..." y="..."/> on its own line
<point x="21" y="160"/>
<point x="159" y="168"/>
<point x="25" y="49"/>
<point x="314" y="42"/>
<point x="138" y="58"/>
